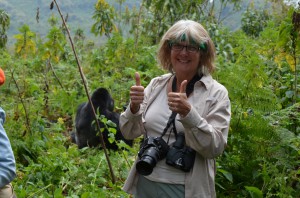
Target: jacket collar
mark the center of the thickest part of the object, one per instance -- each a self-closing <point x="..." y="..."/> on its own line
<point x="206" y="80"/>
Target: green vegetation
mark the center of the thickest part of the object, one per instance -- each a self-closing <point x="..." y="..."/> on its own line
<point x="5" y="22"/>
<point x="258" y="64"/>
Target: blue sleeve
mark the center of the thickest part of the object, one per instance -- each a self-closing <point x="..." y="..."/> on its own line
<point x="7" y="159"/>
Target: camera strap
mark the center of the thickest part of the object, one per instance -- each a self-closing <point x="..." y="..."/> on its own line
<point x="189" y="90"/>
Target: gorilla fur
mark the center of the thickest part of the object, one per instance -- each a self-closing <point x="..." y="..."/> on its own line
<point x="86" y="132"/>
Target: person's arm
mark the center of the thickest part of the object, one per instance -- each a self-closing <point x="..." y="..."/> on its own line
<point x="208" y="135"/>
<point x="7" y="159"/>
<point x="131" y="124"/>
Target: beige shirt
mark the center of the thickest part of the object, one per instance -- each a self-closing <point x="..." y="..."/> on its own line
<point x="156" y="118"/>
<point x="206" y="130"/>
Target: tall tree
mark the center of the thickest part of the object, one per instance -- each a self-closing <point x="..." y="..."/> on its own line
<point x="104" y="15"/>
<point x="4" y="25"/>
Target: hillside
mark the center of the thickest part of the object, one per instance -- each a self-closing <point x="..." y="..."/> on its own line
<point x="25" y="12"/>
<point x="80" y="15"/>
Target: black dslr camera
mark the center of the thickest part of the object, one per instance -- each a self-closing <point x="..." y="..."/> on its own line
<point x="180" y="156"/>
<point x="152" y="149"/>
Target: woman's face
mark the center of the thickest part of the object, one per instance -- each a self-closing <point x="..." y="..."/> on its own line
<point x="185" y="58"/>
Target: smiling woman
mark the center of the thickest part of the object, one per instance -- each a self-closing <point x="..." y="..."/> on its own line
<point x="184" y="117"/>
<point x="193" y="34"/>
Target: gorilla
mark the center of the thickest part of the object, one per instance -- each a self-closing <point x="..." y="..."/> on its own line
<point x="85" y="127"/>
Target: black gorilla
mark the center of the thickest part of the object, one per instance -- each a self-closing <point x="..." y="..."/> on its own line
<point x="86" y="132"/>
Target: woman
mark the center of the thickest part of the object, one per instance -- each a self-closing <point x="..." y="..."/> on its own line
<point x="202" y="109"/>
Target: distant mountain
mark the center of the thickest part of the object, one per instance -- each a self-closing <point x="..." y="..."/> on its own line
<point x="79" y="13"/>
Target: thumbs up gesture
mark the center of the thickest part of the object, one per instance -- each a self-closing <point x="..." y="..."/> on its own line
<point x="178" y="101"/>
<point x="136" y="94"/>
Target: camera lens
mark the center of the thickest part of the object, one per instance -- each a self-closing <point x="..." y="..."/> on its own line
<point x="152" y="150"/>
<point x="145" y="167"/>
<point x="148" y="161"/>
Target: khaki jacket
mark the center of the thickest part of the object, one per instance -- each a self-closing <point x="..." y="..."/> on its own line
<point x="206" y="130"/>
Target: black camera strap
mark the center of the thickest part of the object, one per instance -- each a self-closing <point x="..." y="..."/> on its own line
<point x="189" y="90"/>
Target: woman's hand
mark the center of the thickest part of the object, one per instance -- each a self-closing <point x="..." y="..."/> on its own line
<point x="178" y="102"/>
<point x="136" y="94"/>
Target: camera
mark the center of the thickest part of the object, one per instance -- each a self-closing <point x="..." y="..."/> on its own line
<point x="152" y="150"/>
<point x="181" y="156"/>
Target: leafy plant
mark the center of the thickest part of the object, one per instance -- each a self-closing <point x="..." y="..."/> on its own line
<point x="254" y="21"/>
<point x="25" y="46"/>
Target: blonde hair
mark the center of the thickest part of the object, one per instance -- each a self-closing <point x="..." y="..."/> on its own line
<point x="191" y="32"/>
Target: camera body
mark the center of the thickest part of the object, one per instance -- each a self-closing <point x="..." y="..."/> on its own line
<point x="152" y="150"/>
<point x="181" y="156"/>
